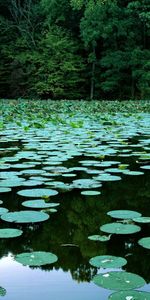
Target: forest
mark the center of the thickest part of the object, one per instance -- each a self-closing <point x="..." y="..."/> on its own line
<point x="75" y="49"/>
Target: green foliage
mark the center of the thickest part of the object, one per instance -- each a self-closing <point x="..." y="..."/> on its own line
<point x="75" y="49"/>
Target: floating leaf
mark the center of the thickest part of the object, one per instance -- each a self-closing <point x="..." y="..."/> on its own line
<point x="2" y="292"/>
<point x="142" y="220"/>
<point x="25" y="216"/>
<point x="130" y="295"/>
<point x="10" y="233"/>
<point x="145" y="242"/>
<point x="133" y="173"/>
<point x="119" y="228"/>
<point x="90" y="193"/>
<point x="147" y="167"/>
<point x="39" y="204"/>
<point x="100" y="238"/>
<point x="4" y="190"/>
<point x="123" y="214"/>
<point x="3" y="210"/>
<point x="37" y="258"/>
<point x="37" y="193"/>
<point x="107" y="261"/>
<point x="119" y="280"/>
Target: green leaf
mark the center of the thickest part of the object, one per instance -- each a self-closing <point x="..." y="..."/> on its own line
<point x="119" y="281"/>
<point x="37" y="258"/>
<point x="107" y="261"/>
<point x="145" y="242"/>
<point x="119" y="228"/>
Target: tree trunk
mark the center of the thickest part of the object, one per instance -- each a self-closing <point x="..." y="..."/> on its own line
<point x="93" y="76"/>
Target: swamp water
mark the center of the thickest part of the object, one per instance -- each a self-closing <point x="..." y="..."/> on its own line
<point x="74" y="195"/>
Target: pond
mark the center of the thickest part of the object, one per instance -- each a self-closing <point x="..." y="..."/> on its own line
<point x="76" y="196"/>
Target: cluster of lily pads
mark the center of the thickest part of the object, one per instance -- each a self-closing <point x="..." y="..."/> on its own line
<point x="38" y="170"/>
<point x="119" y="280"/>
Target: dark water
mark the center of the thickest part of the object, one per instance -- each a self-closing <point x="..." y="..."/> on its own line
<point x="66" y="234"/>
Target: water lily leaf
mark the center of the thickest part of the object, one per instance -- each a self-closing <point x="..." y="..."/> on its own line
<point x="5" y="189"/>
<point x="107" y="177"/>
<point x="86" y="183"/>
<point x="107" y="261"/>
<point x="36" y="258"/>
<point x="119" y="228"/>
<point x="100" y="238"/>
<point x="10" y="233"/>
<point x="145" y="242"/>
<point x="25" y="216"/>
<point x="90" y="193"/>
<point x="142" y="220"/>
<point x="119" y="280"/>
<point x="2" y="292"/>
<point x="12" y="182"/>
<point x="37" y="193"/>
<point x="39" y="204"/>
<point x="123" y="214"/>
<point x="3" y="210"/>
<point x="130" y="295"/>
<point x="147" y="167"/>
<point x="134" y="173"/>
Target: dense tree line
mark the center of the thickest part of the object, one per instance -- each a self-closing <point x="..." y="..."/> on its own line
<point x="75" y="49"/>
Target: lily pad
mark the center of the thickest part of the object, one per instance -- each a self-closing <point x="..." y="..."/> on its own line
<point x="37" y="193"/>
<point x="119" y="280"/>
<point x="145" y="242"/>
<point x="142" y="220"/>
<point x="25" y="216"/>
<point x="90" y="193"/>
<point x="147" y="167"/>
<point x="107" y="261"/>
<point x="107" y="177"/>
<point x="124" y="214"/>
<point x="119" y="228"/>
<point x="10" y="233"/>
<point x="2" y="292"/>
<point x="37" y="258"/>
<point x="5" y="190"/>
<point x="100" y="238"/>
<point x="133" y="173"/>
<point x="130" y="295"/>
<point x="39" y="204"/>
<point x="3" y="210"/>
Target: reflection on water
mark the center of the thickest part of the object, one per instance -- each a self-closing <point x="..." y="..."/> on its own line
<point x="66" y="234"/>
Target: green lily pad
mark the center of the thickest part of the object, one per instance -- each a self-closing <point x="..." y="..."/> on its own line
<point x="37" y="258"/>
<point x="25" y="216"/>
<point x="2" y="292"/>
<point x="10" y="233"/>
<point x="130" y="295"/>
<point x="119" y="280"/>
<point x="3" y="210"/>
<point x="37" y="193"/>
<point x="123" y="214"/>
<point x="133" y="173"/>
<point x="107" y="177"/>
<point x="5" y="190"/>
<point x="107" y="261"/>
<point x="147" y="167"/>
<point x="39" y="204"/>
<point x="100" y="238"/>
<point x="145" y="242"/>
<point x="119" y="228"/>
<point x="90" y="193"/>
<point x="12" y="182"/>
<point x="142" y="220"/>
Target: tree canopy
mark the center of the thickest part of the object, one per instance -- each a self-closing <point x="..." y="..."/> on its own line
<point x="75" y="49"/>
